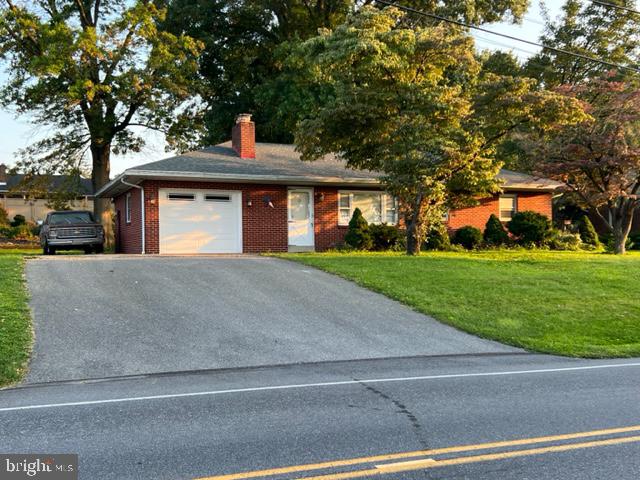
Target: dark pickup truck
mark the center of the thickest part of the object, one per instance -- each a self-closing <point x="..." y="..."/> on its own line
<point x="71" y="230"/>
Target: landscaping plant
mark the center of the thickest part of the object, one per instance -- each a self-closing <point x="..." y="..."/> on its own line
<point x="18" y="220"/>
<point x="530" y="228"/>
<point x="564" y="241"/>
<point x="438" y="239"/>
<point x="588" y="233"/>
<point x="385" y="237"/>
<point x="358" y="236"/>
<point x="468" y="237"/>
<point x="495" y="234"/>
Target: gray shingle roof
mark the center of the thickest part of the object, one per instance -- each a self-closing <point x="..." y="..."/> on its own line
<point x="275" y="163"/>
<point x="271" y="159"/>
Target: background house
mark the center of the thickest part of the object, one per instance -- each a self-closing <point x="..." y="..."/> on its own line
<point x="18" y="196"/>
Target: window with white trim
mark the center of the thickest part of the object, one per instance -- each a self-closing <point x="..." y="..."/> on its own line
<point x="508" y="205"/>
<point x="376" y="207"/>
<point x="127" y="207"/>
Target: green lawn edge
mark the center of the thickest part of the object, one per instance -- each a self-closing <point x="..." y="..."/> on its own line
<point x="16" y="328"/>
<point x="617" y="337"/>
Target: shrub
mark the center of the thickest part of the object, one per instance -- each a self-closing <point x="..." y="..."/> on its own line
<point x="530" y="228"/>
<point x="4" y="217"/>
<point x="6" y="231"/>
<point x="469" y="237"/>
<point x="494" y="232"/>
<point x="437" y="239"/>
<point x="358" y="236"/>
<point x="18" y="220"/>
<point x="635" y="241"/>
<point x="588" y="233"/>
<point x="385" y="237"/>
<point x="564" y="240"/>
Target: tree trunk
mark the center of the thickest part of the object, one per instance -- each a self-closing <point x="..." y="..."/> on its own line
<point x="413" y="235"/>
<point x="101" y="162"/>
<point x="622" y="221"/>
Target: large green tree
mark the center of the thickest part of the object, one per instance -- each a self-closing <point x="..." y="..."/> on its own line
<point x="415" y="104"/>
<point x="247" y="41"/>
<point x="89" y="70"/>
<point x="591" y="29"/>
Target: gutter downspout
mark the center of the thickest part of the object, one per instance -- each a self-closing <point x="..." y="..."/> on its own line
<point x="141" y="209"/>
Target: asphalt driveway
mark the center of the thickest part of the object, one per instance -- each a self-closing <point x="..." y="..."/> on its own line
<point x="104" y="316"/>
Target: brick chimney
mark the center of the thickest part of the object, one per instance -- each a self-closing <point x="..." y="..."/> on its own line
<point x="243" y="136"/>
<point x="3" y="173"/>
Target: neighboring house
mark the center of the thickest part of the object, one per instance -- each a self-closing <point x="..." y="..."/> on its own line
<point x="248" y="197"/>
<point x="16" y="202"/>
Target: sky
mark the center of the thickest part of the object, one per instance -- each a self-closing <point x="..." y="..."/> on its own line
<point x="16" y="132"/>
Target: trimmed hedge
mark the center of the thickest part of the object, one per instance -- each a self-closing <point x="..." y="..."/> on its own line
<point x="495" y="234"/>
<point x="385" y="237"/>
<point x="469" y="237"/>
<point x="530" y="228"/>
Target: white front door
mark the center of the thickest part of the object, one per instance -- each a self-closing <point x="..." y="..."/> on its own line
<point x="300" y="206"/>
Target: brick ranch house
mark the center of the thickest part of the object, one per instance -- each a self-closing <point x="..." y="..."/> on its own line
<point x="248" y="197"/>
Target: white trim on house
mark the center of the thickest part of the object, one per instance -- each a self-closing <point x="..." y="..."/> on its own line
<point x="127" y="207"/>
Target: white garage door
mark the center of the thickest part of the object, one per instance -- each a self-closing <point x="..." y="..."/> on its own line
<point x="200" y="221"/>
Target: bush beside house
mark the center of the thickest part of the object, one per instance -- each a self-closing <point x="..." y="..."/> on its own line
<point x="495" y="234"/>
<point x="530" y="228"/>
<point x="527" y="229"/>
<point x="468" y="237"/>
<point x="358" y="235"/>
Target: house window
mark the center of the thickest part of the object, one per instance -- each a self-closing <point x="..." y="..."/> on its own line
<point x="508" y="205"/>
<point x="217" y="198"/>
<point x="127" y="207"/>
<point x="376" y="207"/>
<point x="189" y="197"/>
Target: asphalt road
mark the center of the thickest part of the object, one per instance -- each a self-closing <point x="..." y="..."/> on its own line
<point x="99" y="316"/>
<point x="211" y="423"/>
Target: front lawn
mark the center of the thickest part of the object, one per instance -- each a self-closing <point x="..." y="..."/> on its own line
<point x="577" y="304"/>
<point x="15" y="318"/>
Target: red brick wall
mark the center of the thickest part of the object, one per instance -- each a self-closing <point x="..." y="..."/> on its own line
<point x="328" y="233"/>
<point x="129" y="234"/>
<point x="265" y="229"/>
<point x="477" y="216"/>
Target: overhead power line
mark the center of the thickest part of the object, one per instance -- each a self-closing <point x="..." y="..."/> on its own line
<point x="613" y="5"/>
<point x="504" y="35"/>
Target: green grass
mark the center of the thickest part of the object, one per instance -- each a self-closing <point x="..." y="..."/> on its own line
<point x="16" y="334"/>
<point x="575" y="304"/>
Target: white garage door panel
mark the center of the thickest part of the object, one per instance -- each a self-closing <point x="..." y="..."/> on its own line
<point x="200" y="225"/>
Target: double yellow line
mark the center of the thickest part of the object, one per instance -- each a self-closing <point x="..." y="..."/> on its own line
<point x="423" y="463"/>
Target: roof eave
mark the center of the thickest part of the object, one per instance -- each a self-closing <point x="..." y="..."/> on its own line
<point x="137" y="176"/>
<point x="116" y="187"/>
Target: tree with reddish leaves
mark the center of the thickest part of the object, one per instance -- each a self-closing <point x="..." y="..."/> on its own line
<point x="599" y="159"/>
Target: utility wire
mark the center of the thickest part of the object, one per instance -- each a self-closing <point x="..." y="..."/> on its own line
<point x="504" y="35"/>
<point x="613" y="5"/>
